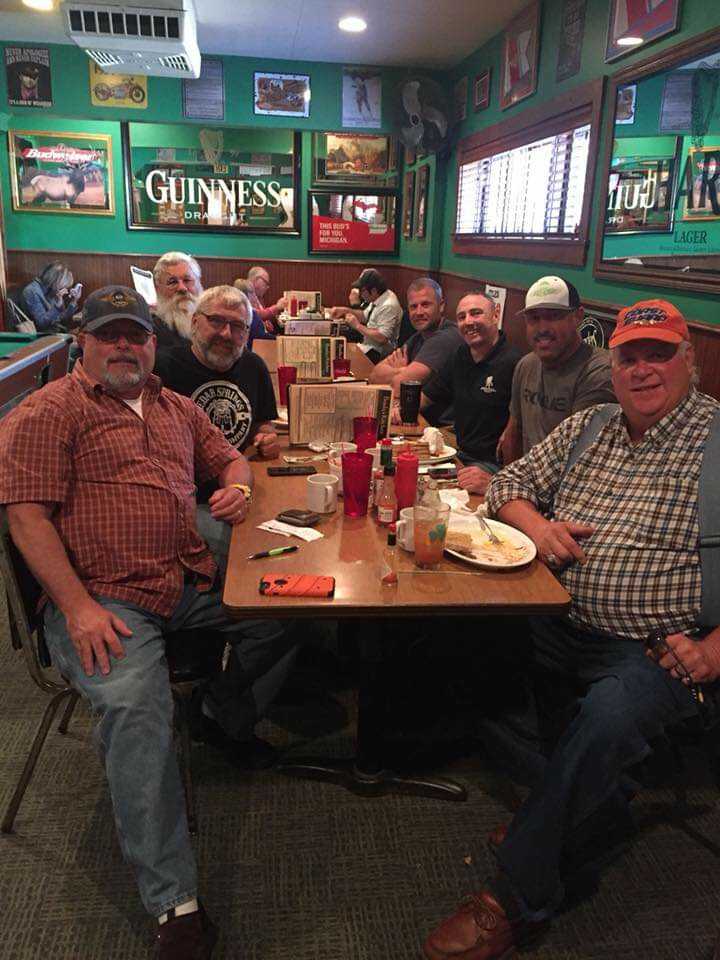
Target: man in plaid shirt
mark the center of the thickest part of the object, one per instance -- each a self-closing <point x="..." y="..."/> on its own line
<point x="98" y="472"/>
<point x="620" y="527"/>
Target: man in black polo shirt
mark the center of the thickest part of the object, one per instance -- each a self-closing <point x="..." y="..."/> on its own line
<point x="477" y="380"/>
<point x="426" y="352"/>
<point x="231" y="384"/>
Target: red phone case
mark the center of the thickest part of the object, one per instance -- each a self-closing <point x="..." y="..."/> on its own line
<point x="296" y="585"/>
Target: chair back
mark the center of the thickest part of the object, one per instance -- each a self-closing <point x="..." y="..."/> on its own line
<point x="23" y="593"/>
<point x="17" y="317"/>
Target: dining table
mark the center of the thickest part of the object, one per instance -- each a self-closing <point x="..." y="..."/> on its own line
<point x="350" y="550"/>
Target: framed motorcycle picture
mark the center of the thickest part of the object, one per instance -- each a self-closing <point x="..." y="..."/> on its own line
<point x="56" y="172"/>
<point x="117" y="89"/>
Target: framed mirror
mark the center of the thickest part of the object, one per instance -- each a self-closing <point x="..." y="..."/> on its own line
<point x="660" y="223"/>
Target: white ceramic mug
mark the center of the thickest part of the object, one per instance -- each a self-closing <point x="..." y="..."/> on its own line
<point x="405" y="529"/>
<point x="335" y="460"/>
<point x="322" y="492"/>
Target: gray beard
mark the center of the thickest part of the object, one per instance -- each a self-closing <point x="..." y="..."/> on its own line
<point x="218" y="359"/>
<point x="121" y="381"/>
<point x="177" y="316"/>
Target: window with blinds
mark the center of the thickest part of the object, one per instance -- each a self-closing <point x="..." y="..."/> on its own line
<point x="529" y="192"/>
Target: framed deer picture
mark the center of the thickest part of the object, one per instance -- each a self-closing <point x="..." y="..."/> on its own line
<point x="54" y="172"/>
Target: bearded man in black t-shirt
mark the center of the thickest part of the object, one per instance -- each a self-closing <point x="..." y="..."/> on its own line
<point x="231" y="384"/>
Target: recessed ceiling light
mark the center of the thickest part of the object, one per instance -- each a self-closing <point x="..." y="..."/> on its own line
<point x="352" y="24"/>
<point x="39" y="4"/>
<point x="630" y="41"/>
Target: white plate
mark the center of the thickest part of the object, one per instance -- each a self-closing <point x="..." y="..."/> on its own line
<point x="467" y="524"/>
<point x="448" y="453"/>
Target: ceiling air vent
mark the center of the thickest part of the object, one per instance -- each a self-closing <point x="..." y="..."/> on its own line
<point x="159" y="41"/>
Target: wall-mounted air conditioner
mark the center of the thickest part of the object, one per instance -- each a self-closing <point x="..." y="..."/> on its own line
<point x="160" y="41"/>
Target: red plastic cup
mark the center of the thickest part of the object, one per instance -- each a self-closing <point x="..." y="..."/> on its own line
<point x="406" y="474"/>
<point x="364" y="432"/>
<point x="356" y="471"/>
<point x="285" y="376"/>
<point x="340" y="368"/>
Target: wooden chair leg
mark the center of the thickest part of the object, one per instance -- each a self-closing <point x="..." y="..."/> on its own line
<point x="67" y="714"/>
<point x="30" y="763"/>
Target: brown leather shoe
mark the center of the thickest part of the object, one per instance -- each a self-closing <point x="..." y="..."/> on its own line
<point x="478" y="930"/>
<point x="189" y="937"/>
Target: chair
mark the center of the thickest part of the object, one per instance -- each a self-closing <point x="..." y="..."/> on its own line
<point x="189" y="663"/>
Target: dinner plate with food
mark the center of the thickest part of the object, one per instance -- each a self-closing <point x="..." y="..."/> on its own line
<point x="426" y="454"/>
<point x="468" y="541"/>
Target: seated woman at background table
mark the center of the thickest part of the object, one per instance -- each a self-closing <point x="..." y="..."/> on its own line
<point x="257" y="327"/>
<point x="50" y="300"/>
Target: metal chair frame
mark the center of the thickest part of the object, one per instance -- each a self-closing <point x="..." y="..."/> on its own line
<point x="26" y="635"/>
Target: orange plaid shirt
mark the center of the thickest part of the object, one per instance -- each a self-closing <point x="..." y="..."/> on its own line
<point x="124" y="487"/>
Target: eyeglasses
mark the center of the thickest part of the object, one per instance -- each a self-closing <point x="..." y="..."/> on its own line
<point x="656" y="357"/>
<point x="219" y="323"/>
<point x="135" y="335"/>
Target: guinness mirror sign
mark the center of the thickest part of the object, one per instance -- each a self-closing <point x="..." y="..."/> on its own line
<point x="211" y="179"/>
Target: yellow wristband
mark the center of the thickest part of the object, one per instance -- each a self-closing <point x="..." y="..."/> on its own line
<point x="244" y="490"/>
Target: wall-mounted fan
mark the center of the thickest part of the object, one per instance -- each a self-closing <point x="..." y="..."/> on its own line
<point x="422" y="114"/>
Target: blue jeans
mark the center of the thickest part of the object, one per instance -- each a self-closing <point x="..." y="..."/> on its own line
<point x="627" y="701"/>
<point x="135" y="709"/>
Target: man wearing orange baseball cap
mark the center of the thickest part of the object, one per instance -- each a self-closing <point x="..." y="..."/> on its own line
<point x="611" y="500"/>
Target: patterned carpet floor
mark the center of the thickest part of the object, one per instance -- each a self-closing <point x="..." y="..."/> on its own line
<point x="297" y="870"/>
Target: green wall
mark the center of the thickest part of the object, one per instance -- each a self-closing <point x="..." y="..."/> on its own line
<point x="73" y="111"/>
<point x="696" y="17"/>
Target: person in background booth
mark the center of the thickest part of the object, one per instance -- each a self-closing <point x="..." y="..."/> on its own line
<point x="260" y="280"/>
<point x="379" y="322"/>
<point x="257" y="327"/>
<point x="50" y="300"/>
<point x="178" y="283"/>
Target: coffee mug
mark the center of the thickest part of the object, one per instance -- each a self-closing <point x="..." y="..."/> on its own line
<point x="405" y="529"/>
<point x="322" y="493"/>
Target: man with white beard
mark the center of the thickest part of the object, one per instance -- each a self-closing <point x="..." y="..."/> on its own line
<point x="178" y="284"/>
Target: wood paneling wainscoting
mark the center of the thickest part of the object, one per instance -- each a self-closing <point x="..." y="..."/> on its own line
<point x="333" y="278"/>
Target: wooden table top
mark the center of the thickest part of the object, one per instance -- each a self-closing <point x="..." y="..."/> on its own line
<point x="351" y="551"/>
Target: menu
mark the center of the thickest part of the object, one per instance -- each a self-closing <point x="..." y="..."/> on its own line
<point x="325" y="412"/>
<point x="313" y="356"/>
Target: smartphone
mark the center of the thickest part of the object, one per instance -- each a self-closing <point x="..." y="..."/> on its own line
<point x="443" y="473"/>
<point x="296" y="585"/>
<point x="298" y="518"/>
<point x="298" y="471"/>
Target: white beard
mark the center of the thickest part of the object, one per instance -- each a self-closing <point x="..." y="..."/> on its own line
<point x="177" y="316"/>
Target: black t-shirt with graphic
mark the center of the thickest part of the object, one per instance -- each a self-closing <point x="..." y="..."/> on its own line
<point x="237" y="400"/>
<point x="480" y="393"/>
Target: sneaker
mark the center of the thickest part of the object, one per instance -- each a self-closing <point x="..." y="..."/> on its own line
<point x="189" y="937"/>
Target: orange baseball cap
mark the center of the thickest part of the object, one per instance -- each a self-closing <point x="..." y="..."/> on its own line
<point x="650" y="320"/>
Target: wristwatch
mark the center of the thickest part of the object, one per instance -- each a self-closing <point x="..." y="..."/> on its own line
<point x="244" y="490"/>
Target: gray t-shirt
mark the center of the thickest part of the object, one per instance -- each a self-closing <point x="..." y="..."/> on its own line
<point x="543" y="397"/>
<point x="435" y="350"/>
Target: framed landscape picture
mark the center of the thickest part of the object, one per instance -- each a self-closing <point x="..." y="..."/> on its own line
<point x="408" y="203"/>
<point x="54" y="172"/>
<point x="355" y="158"/>
<point x="520" y="57"/>
<point x="647" y="21"/>
<point x="481" y="91"/>
<point x="282" y="94"/>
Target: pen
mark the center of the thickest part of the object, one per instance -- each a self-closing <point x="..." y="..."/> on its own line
<point x="275" y="552"/>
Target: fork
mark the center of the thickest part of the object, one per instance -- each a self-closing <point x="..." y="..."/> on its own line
<point x="492" y="537"/>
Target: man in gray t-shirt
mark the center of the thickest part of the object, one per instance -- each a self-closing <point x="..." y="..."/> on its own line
<point x="562" y="375"/>
<point x="427" y="351"/>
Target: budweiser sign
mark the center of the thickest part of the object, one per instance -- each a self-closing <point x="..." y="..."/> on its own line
<point x="61" y="154"/>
